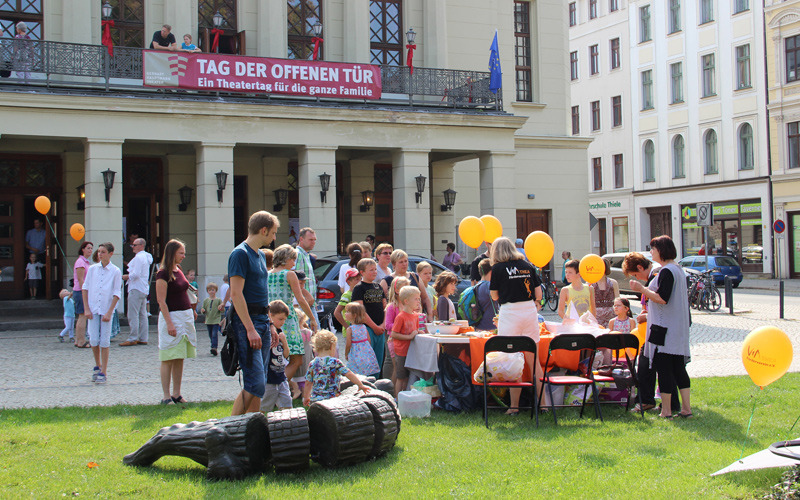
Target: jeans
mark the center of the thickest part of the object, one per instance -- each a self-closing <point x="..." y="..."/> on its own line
<point x="69" y="327"/>
<point x="213" y="334"/>
<point x="253" y="363"/>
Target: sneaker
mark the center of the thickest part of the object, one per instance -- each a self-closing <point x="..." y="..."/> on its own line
<point x="61" y="339"/>
<point x="101" y="378"/>
<point x="95" y="373"/>
<point x="213" y="352"/>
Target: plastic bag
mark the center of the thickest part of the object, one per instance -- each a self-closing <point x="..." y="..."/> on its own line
<point x="503" y="367"/>
<point x="428" y="387"/>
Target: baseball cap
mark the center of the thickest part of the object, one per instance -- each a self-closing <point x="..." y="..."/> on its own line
<point x="519" y="241"/>
<point x="351" y="273"/>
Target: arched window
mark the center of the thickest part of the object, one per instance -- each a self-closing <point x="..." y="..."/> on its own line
<point x="128" y="29"/>
<point x="649" y="161"/>
<point x="302" y="16"/>
<point x="710" y="152"/>
<point x="746" y="147"/>
<point x="678" y="157"/>
<point x="386" y="32"/>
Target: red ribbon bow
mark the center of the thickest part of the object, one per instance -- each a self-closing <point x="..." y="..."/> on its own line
<point x="410" y="57"/>
<point x="317" y="41"/>
<point x="107" y="25"/>
<point x="216" y="32"/>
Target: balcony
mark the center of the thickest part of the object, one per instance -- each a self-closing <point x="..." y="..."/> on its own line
<point x="70" y="67"/>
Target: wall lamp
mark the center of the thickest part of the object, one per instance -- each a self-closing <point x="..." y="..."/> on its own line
<point x="185" y="194"/>
<point x="367" y="199"/>
<point x="449" y="199"/>
<point x="81" y="196"/>
<point x="108" y="182"/>
<point x="222" y="179"/>
<point x="325" y="182"/>
<point x="420" y="187"/>
<point x="280" y="199"/>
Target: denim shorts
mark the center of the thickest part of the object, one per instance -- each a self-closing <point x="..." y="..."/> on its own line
<point x="77" y="298"/>
<point x="253" y="375"/>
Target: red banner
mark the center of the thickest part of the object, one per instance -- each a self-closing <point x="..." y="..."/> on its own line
<point x="229" y="73"/>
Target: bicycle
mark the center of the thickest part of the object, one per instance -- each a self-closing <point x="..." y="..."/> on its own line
<point x="549" y="291"/>
<point x="703" y="291"/>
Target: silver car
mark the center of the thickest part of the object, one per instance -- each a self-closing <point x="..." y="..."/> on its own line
<point x="616" y="270"/>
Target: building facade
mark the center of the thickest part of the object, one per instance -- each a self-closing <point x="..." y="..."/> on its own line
<point x="65" y="126"/>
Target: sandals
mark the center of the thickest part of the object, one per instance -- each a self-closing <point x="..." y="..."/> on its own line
<point x="644" y="407"/>
<point x="179" y="400"/>
<point x="86" y="345"/>
<point x="512" y="411"/>
<point x="166" y="402"/>
<point x="686" y="415"/>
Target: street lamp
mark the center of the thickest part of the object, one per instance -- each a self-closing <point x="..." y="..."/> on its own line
<point x="325" y="182"/>
<point x="420" y="187"/>
<point x="411" y="35"/>
<point x="367" y="199"/>
<point x="108" y="182"/>
<point x="222" y="179"/>
<point x="81" y="196"/>
<point x="106" y="9"/>
<point x="217" y="19"/>
<point x="317" y="39"/>
<point x="185" y="194"/>
<point x="449" y="199"/>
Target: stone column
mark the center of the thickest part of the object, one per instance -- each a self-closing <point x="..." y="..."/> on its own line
<point x="411" y="219"/>
<point x="434" y="34"/>
<point x="182" y="16"/>
<point x="498" y="193"/>
<point x="215" y="237"/>
<point x="313" y="161"/>
<point x="356" y="31"/>
<point x="77" y="24"/>
<point x="104" y="219"/>
<point x="272" y="28"/>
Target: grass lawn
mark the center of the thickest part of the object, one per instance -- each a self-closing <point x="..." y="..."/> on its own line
<point x="44" y="453"/>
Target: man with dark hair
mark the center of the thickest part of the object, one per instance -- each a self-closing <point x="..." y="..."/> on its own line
<point x="474" y="273"/>
<point x="482" y="295"/>
<point x="163" y="39"/>
<point x="305" y="244"/>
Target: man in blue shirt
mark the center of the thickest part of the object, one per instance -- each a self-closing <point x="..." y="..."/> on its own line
<point x="35" y="240"/>
<point x="247" y="269"/>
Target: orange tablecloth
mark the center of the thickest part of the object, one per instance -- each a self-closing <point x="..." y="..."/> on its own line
<point x="560" y="357"/>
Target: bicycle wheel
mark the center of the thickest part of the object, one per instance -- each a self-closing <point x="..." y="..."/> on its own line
<point x="552" y="297"/>
<point x="712" y="299"/>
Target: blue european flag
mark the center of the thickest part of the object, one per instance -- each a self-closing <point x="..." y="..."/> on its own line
<point x="495" y="73"/>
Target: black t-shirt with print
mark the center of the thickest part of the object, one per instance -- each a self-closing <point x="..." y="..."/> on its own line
<point x="514" y="281"/>
<point x="372" y="295"/>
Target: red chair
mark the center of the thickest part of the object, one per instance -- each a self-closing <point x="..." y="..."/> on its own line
<point x="509" y="345"/>
<point x="620" y="343"/>
<point x="571" y="342"/>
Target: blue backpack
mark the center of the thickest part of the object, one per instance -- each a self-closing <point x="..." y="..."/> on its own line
<point x="468" y="307"/>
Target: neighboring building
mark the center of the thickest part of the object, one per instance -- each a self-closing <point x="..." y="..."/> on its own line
<point x="783" y="81"/>
<point x="508" y="157"/>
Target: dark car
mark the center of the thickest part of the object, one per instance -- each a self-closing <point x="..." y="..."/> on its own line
<point x="725" y="266"/>
<point x="326" y="270"/>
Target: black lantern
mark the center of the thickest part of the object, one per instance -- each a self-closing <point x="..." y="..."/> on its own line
<point x="420" y="187"/>
<point x="317" y="29"/>
<point x="81" y="196"/>
<point x="367" y="199"/>
<point x="280" y="199"/>
<point x="217" y="19"/>
<point x="449" y="199"/>
<point x="222" y="179"/>
<point x="185" y="194"/>
<point x="106" y="9"/>
<point x="325" y="183"/>
<point x="411" y="35"/>
<point x="108" y="182"/>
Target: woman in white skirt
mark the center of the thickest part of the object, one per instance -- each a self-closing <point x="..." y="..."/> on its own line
<point x="516" y="286"/>
<point x="177" y="338"/>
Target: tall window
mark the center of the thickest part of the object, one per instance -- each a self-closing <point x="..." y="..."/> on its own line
<point x="793" y="58"/>
<point x="615" y="57"/>
<point x="743" y="66"/>
<point x="708" y="75"/>
<point x="597" y="174"/>
<point x="522" y="50"/>
<point x="128" y="29"/>
<point x="647" y="89"/>
<point x="576" y="120"/>
<point x="592" y="9"/>
<point x="706" y="11"/>
<point x="746" y="147"/>
<point x="676" y="74"/>
<point x="594" y="59"/>
<point x="230" y="42"/>
<point x="793" y="138"/>
<point x="678" y="157"/>
<point x="386" y="32"/>
<point x="674" y="16"/>
<point x="573" y="14"/>
<point x="644" y="24"/>
<point x="613" y="5"/>
<point x="649" y="161"/>
<point x="302" y="16"/>
<point x="616" y="110"/>
<point x="710" y="152"/>
<point x="29" y="11"/>
<point x="619" y="174"/>
<point x="741" y="6"/>
<point x="595" y="115"/>
<point x="573" y="65"/>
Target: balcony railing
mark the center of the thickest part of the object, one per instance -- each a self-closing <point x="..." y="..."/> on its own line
<point x="61" y="64"/>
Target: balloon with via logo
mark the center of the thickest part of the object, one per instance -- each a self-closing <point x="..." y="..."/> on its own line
<point x="471" y="231"/>
<point x="42" y="204"/>
<point x="539" y="248"/>
<point x="592" y="268"/>
<point x="77" y="231"/>
<point x="766" y="355"/>
<point x="492" y="227"/>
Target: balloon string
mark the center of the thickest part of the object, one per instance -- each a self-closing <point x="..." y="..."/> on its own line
<point x="748" y="426"/>
<point x="54" y="236"/>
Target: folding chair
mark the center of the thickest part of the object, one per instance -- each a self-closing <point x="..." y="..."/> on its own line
<point x="509" y="344"/>
<point x="620" y="343"/>
<point x="571" y="342"/>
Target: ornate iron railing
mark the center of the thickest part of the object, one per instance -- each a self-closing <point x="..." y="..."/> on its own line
<point x="42" y="62"/>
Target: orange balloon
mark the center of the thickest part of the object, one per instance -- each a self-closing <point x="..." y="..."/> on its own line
<point x="42" y="204"/>
<point x="539" y="248"/>
<point x="471" y="231"/>
<point x="592" y="268"/>
<point x="77" y="231"/>
<point x="766" y="355"/>
<point x="493" y="228"/>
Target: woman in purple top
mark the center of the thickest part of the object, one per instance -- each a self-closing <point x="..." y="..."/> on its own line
<point x="452" y="260"/>
<point x="82" y="265"/>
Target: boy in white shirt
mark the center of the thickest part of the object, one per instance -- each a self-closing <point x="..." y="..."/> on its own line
<point x="101" y="292"/>
<point x="33" y="273"/>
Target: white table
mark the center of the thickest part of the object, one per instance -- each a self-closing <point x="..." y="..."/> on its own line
<point x="423" y="352"/>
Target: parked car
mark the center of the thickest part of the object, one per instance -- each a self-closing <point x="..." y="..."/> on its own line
<point x="616" y="270"/>
<point x="725" y="265"/>
<point x="326" y="270"/>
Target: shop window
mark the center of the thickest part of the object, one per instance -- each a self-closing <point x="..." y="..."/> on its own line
<point x="231" y="41"/>
<point x="649" y="161"/>
<point x="793" y="138"/>
<point x="386" y="32"/>
<point x="522" y="51"/>
<point x="746" y="147"/>
<point x="678" y="157"/>
<point x="710" y="152"/>
<point x="27" y="11"/>
<point x="620" y="234"/>
<point x="302" y="16"/>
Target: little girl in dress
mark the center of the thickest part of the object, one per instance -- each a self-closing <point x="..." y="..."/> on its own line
<point x="623" y="322"/>
<point x="360" y="356"/>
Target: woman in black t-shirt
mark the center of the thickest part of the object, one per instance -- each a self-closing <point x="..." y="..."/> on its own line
<point x="516" y="286"/>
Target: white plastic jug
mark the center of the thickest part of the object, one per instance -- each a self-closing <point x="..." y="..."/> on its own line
<point x="414" y="403"/>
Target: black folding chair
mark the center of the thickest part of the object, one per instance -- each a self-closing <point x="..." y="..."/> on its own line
<point x="510" y="345"/>
<point x="619" y="343"/>
<point x="571" y="342"/>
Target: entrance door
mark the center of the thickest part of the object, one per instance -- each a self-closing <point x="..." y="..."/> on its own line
<point x="12" y="248"/>
<point x="384" y="225"/>
<point x="731" y="239"/>
<point x="794" y="244"/>
<point x="529" y="221"/>
<point x="142" y="206"/>
<point x="660" y="221"/>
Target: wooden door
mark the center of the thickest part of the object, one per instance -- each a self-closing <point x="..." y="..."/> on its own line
<point x="529" y="221"/>
<point x="12" y="247"/>
<point x="142" y="201"/>
<point x="660" y="221"/>
<point x="384" y="224"/>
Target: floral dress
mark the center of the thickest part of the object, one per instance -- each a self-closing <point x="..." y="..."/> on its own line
<point x="622" y="325"/>
<point x="323" y="375"/>
<point x="362" y="358"/>
<point x="279" y="289"/>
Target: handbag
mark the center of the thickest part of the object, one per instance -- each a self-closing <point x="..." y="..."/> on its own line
<point x="658" y="335"/>
<point x="229" y="354"/>
<point x="191" y="292"/>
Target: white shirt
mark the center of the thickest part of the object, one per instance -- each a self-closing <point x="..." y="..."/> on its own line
<point x="139" y="272"/>
<point x="343" y="276"/>
<point x="34" y="270"/>
<point x="382" y="274"/>
<point x="223" y="290"/>
<point x="101" y="285"/>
